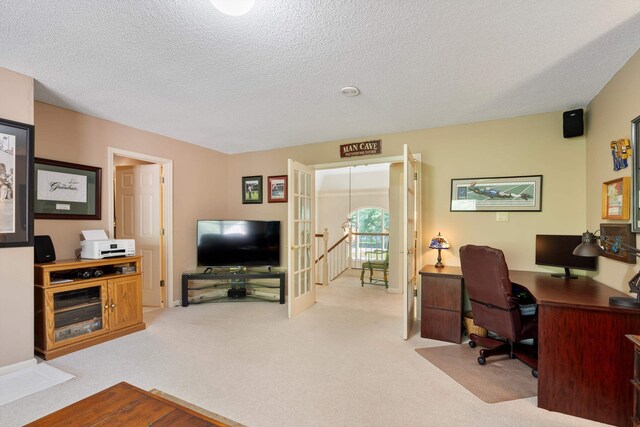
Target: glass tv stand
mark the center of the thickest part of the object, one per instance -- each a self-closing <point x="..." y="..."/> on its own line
<point x="230" y="286"/>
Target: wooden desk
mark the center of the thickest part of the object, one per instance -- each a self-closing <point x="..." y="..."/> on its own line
<point x="126" y="405"/>
<point x="584" y="360"/>
<point x="441" y="303"/>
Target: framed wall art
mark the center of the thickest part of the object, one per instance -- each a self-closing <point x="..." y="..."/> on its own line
<point x="277" y="189"/>
<point x="252" y="189"/>
<point x="66" y="190"/>
<point x="613" y="238"/>
<point x="615" y="198"/>
<point x="635" y="175"/>
<point x="16" y="180"/>
<point x="502" y="194"/>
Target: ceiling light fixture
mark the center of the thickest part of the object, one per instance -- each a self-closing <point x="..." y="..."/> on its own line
<point x="233" y="7"/>
<point x="350" y="91"/>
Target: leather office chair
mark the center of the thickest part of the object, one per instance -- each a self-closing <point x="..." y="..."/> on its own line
<point x="495" y="304"/>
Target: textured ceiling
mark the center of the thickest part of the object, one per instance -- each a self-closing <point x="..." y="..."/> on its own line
<point x="272" y="77"/>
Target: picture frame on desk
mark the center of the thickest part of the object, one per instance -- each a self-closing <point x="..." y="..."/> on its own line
<point x="615" y="198"/>
<point x="66" y="190"/>
<point x="16" y="181"/>
<point x="618" y="233"/>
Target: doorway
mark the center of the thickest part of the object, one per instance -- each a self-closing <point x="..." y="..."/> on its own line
<point x="141" y="207"/>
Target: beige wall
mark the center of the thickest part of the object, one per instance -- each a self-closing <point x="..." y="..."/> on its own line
<point x="527" y="145"/>
<point x="16" y="264"/>
<point x="200" y="176"/>
<point x="609" y="118"/>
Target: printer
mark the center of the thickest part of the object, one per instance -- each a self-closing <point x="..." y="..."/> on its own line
<point x="96" y="245"/>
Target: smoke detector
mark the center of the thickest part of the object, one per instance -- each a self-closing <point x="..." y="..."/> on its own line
<point x="350" y="91"/>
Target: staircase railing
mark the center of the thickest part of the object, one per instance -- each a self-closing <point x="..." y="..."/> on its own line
<point x="334" y="260"/>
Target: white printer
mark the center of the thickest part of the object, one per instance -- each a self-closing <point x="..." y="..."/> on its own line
<point x="96" y="245"/>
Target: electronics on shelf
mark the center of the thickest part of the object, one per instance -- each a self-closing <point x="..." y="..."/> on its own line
<point x="96" y="245"/>
<point x="238" y="243"/>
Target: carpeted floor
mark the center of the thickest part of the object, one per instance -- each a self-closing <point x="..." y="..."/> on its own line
<point x="500" y="380"/>
<point x="341" y="363"/>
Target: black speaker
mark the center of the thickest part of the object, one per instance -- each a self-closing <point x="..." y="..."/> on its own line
<point x="43" y="249"/>
<point x="572" y="123"/>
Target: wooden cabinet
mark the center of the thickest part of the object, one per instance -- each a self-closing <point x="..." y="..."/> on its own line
<point x="635" y="381"/>
<point x="441" y="304"/>
<point x="82" y="303"/>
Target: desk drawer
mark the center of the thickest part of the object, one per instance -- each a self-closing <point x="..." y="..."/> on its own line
<point x="442" y="292"/>
<point x="441" y="325"/>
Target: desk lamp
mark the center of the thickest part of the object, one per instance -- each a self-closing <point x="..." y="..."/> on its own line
<point x="590" y="248"/>
<point x="439" y="242"/>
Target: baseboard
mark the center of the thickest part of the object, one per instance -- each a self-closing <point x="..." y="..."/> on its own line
<point x="176" y="303"/>
<point x="17" y="366"/>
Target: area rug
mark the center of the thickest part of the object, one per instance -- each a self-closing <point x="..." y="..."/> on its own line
<point x="27" y="381"/>
<point x="501" y="379"/>
<point x="197" y="409"/>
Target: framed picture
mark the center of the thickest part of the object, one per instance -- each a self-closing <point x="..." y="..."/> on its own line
<point x="502" y="194"/>
<point x="613" y="238"/>
<point x="16" y="180"/>
<point x="635" y="175"/>
<point x="251" y="189"/>
<point x="615" y="198"/>
<point x="66" y="190"/>
<point x="277" y="189"/>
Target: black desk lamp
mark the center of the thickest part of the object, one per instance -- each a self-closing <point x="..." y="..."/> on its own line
<point x="590" y="248"/>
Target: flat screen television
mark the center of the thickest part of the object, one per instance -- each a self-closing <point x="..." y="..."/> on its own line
<point x="557" y="251"/>
<point x="230" y="243"/>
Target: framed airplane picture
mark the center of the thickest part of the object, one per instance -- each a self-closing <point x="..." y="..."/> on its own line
<point x="501" y="194"/>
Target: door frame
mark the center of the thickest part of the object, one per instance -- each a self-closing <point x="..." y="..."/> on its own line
<point x="392" y="159"/>
<point x="167" y="208"/>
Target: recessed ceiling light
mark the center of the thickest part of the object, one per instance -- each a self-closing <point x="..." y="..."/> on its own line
<point x="233" y="7"/>
<point x="350" y="91"/>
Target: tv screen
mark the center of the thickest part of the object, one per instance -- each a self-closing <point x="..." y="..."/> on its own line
<point x="557" y="251"/>
<point x="232" y="243"/>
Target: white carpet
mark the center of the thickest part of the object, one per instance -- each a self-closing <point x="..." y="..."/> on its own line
<point x="25" y="382"/>
<point x="343" y="362"/>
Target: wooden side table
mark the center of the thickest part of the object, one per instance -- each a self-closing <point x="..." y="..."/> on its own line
<point x="442" y="303"/>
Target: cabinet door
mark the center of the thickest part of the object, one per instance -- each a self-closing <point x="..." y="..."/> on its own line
<point x="74" y="313"/>
<point x="125" y="302"/>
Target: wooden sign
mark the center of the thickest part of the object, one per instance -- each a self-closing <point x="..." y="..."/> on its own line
<point x="361" y="148"/>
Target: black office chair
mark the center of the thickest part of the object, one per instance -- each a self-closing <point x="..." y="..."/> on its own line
<point x="495" y="303"/>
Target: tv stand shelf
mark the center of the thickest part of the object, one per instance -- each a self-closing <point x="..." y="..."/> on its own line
<point x="232" y="286"/>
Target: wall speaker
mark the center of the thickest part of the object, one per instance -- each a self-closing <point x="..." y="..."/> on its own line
<point x="573" y="123"/>
<point x="43" y="249"/>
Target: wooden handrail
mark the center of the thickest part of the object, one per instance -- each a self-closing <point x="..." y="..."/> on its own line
<point x="370" y="234"/>
<point x="333" y="247"/>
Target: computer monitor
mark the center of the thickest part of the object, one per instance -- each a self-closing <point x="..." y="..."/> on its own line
<point x="557" y="251"/>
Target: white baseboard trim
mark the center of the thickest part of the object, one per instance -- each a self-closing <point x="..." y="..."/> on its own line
<point x="17" y="366"/>
<point x="176" y="303"/>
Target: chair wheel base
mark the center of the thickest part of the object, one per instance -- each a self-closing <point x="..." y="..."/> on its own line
<point x="472" y="344"/>
<point x="534" y="372"/>
<point x="481" y="360"/>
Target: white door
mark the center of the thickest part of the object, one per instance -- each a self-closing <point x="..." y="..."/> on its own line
<point x="138" y="216"/>
<point x="409" y="247"/>
<point x="301" y="231"/>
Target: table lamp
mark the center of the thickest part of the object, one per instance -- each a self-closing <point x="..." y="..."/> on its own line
<point x="439" y="242"/>
<point x="590" y="248"/>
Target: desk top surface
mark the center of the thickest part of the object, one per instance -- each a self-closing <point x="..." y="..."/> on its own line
<point x="581" y="292"/>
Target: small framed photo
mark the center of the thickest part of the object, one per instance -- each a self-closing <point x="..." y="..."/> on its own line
<point x="251" y="189"/>
<point x="616" y="238"/>
<point x="615" y="198"/>
<point x="66" y="190"/>
<point x="16" y="184"/>
<point x="277" y="189"/>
